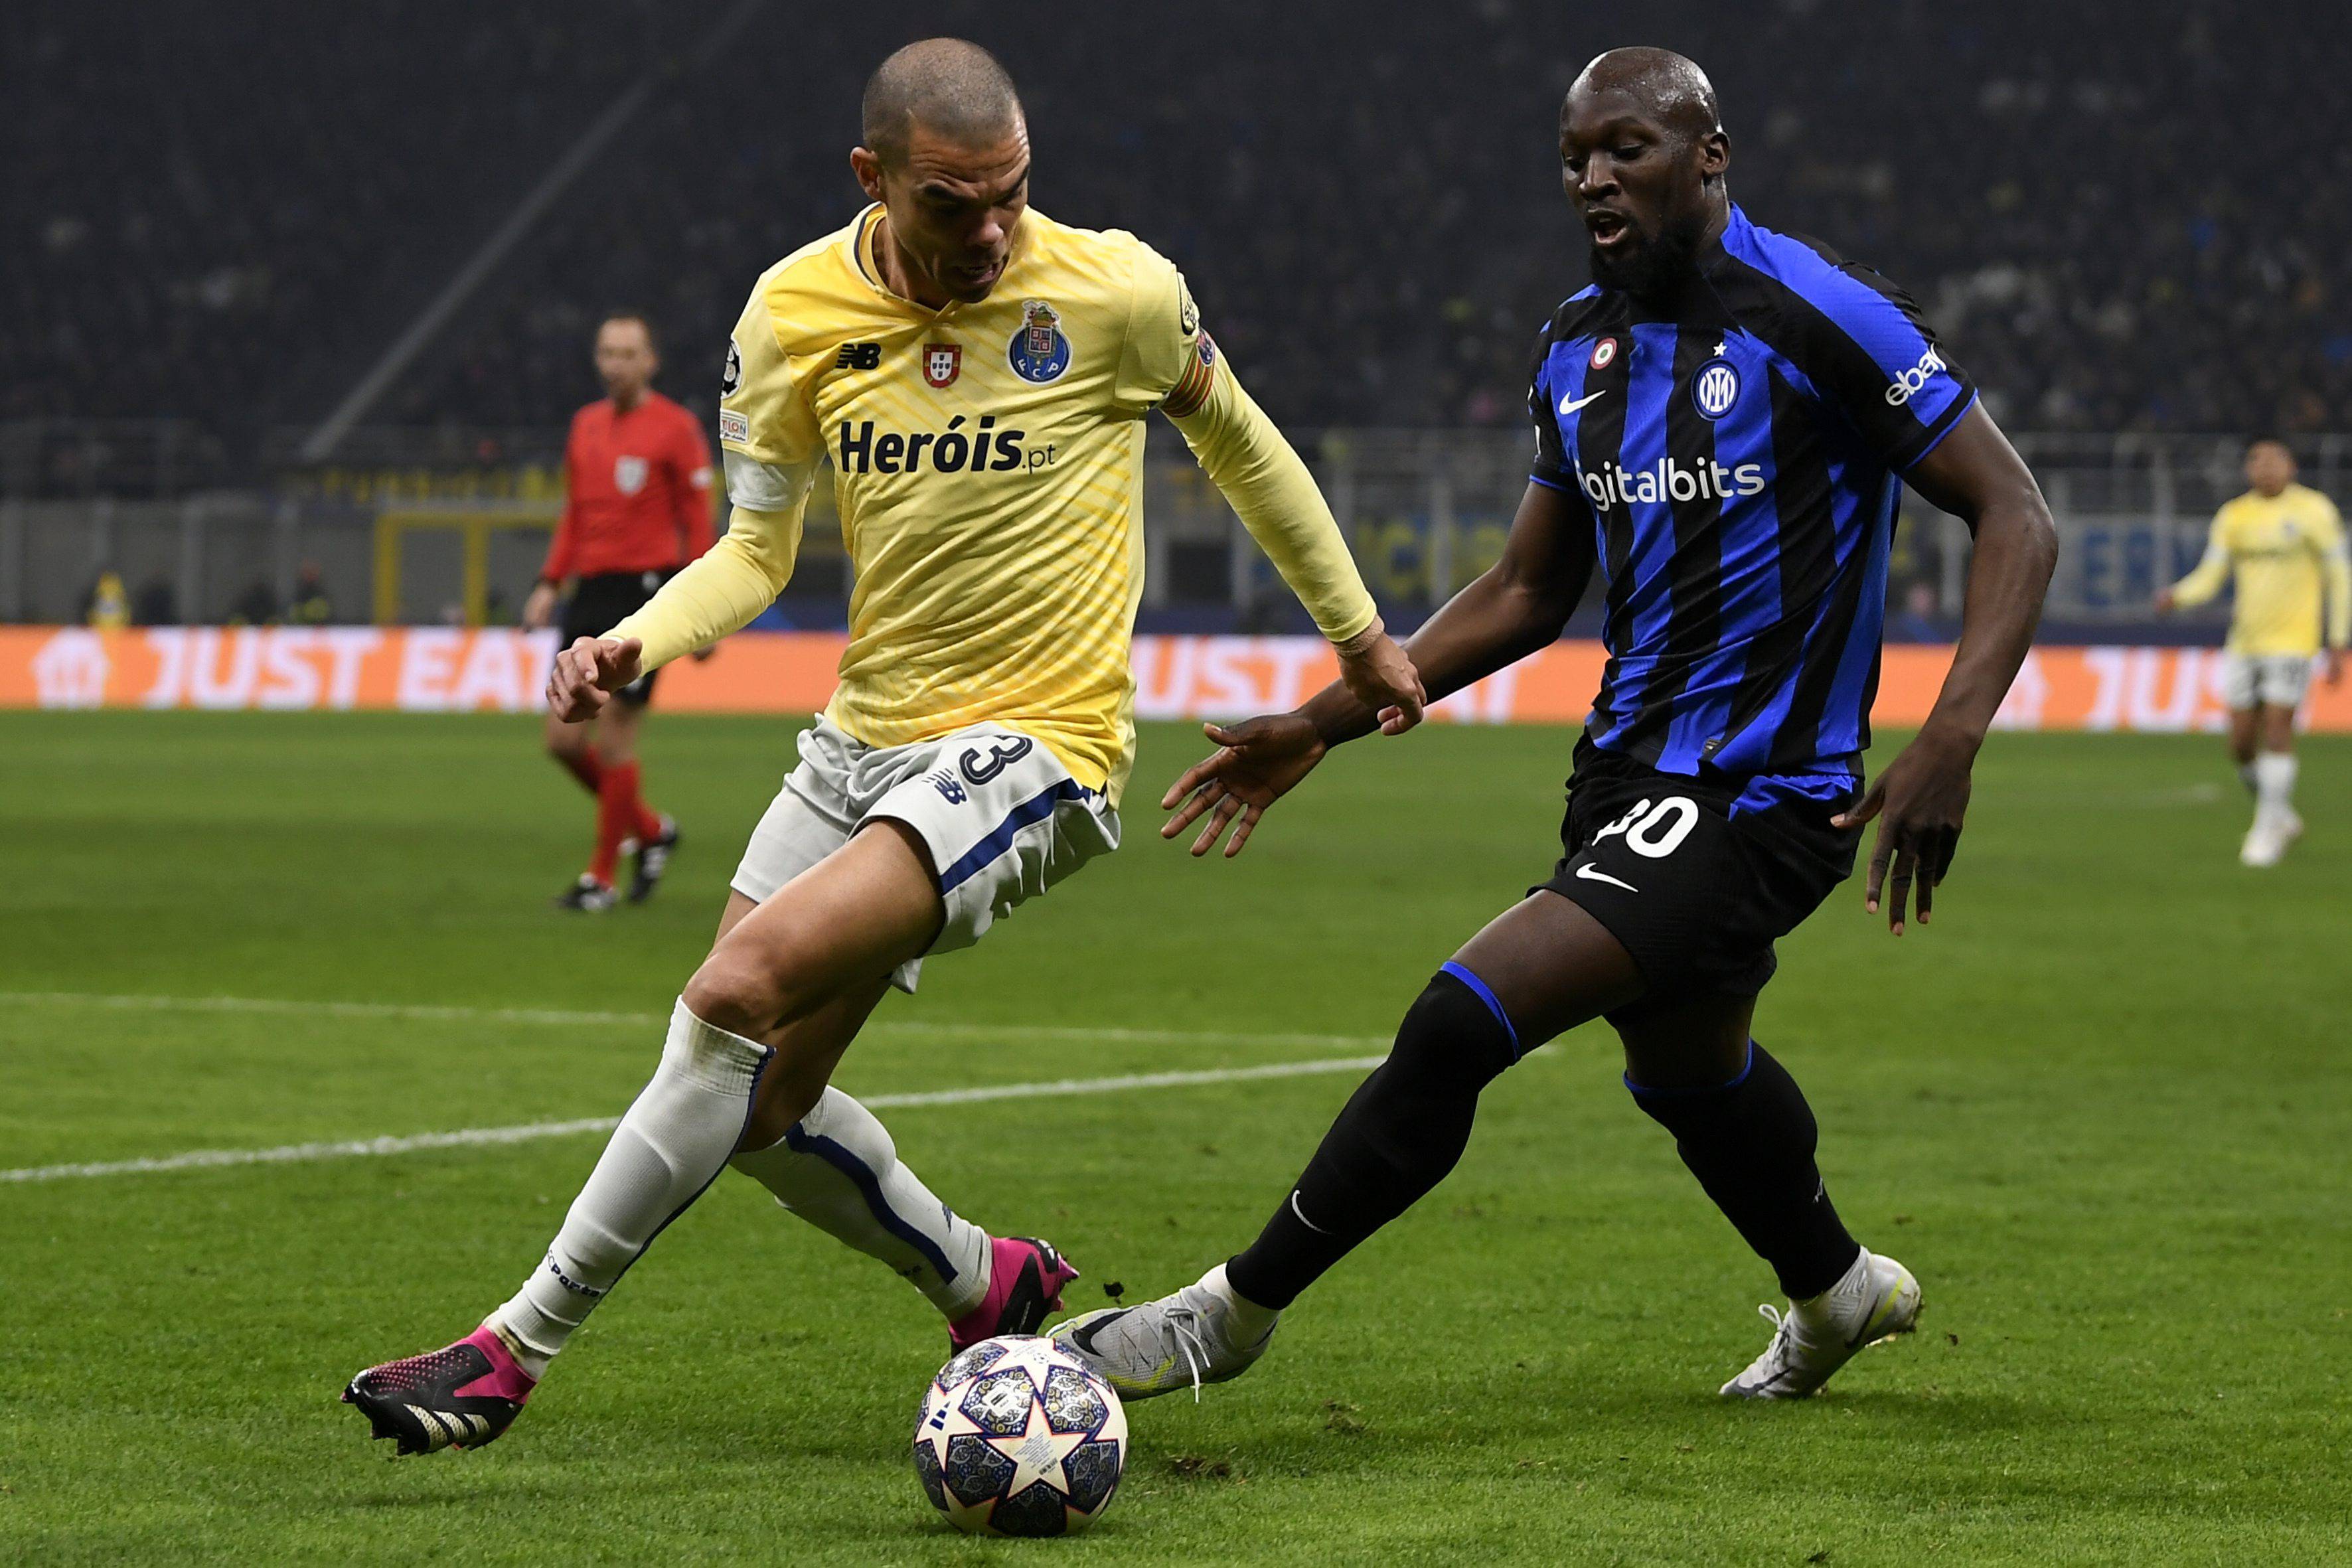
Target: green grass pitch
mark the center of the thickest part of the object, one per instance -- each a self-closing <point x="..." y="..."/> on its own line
<point x="2101" y="1107"/>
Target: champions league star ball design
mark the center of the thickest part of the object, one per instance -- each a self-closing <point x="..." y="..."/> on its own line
<point x="1018" y="1437"/>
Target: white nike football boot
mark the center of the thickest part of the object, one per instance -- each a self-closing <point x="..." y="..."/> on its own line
<point x="1184" y="1339"/>
<point x="1875" y="1300"/>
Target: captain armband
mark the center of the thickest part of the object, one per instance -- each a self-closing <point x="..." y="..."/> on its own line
<point x="1191" y="393"/>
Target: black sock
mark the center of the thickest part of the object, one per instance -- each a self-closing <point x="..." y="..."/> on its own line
<point x="1751" y="1144"/>
<point x="1397" y="1137"/>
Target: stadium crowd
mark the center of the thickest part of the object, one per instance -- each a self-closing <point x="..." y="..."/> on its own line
<point x="1367" y="204"/>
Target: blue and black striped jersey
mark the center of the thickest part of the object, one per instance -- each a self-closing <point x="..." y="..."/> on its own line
<point x="1738" y="454"/>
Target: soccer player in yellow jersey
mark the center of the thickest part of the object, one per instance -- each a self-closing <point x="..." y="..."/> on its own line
<point x="979" y="377"/>
<point x="2284" y="542"/>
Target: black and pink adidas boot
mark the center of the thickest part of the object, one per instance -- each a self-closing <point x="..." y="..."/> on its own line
<point x="1025" y="1288"/>
<point x="460" y="1397"/>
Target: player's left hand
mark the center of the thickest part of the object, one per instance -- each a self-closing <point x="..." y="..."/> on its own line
<point x="1381" y="675"/>
<point x="1920" y="802"/>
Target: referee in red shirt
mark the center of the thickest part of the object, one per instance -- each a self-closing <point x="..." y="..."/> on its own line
<point x="637" y="507"/>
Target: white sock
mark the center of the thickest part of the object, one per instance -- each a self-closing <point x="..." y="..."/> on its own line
<point x="673" y="1142"/>
<point x="2275" y="785"/>
<point x="838" y="1170"/>
<point x="1841" y="1306"/>
<point x="1250" y="1322"/>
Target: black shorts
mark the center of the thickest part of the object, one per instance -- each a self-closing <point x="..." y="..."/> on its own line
<point x="598" y="604"/>
<point x="1698" y="876"/>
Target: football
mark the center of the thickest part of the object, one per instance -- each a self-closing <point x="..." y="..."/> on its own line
<point x="1017" y="1437"/>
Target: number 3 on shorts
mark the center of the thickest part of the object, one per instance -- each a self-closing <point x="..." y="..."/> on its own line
<point x="1655" y="830"/>
<point x="979" y="767"/>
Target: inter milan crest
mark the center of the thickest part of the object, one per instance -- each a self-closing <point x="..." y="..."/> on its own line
<point x="942" y="362"/>
<point x="1603" y="352"/>
<point x="1039" y="352"/>
<point x="1715" y="388"/>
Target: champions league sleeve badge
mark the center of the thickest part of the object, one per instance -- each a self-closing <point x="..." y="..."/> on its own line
<point x="1039" y="352"/>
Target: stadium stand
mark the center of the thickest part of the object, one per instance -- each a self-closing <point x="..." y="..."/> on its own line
<point x="1370" y="214"/>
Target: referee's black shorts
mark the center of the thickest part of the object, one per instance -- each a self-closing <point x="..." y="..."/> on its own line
<point x="598" y="604"/>
<point x="1697" y="877"/>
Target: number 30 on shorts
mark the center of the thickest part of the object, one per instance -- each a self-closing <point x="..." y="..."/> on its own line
<point x="1655" y="829"/>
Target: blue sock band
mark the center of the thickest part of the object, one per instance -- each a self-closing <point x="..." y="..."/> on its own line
<point x="1746" y="1067"/>
<point x="1478" y="989"/>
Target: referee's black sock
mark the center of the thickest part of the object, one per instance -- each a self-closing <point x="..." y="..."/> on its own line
<point x="1750" y="1143"/>
<point x="1396" y="1138"/>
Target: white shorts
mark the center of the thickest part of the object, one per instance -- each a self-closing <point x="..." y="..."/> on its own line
<point x="2278" y="678"/>
<point x="1003" y="818"/>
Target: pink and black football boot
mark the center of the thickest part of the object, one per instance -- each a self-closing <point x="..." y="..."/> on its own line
<point x="461" y="1396"/>
<point x="1025" y="1288"/>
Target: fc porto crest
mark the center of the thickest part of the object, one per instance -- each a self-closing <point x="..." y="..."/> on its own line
<point x="1716" y="387"/>
<point x="942" y="362"/>
<point x="1040" y="350"/>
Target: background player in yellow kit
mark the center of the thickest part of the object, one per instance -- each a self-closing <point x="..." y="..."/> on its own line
<point x="2284" y="542"/>
<point x="979" y="375"/>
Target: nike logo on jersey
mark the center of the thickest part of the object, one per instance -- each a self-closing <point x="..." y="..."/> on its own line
<point x="1591" y="874"/>
<point x="1570" y="405"/>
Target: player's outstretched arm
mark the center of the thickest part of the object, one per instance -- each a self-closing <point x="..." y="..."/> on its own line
<point x="1920" y="800"/>
<point x="1516" y="606"/>
<point x="721" y="590"/>
<point x="2205" y="580"/>
<point x="717" y="592"/>
<point x="1261" y="475"/>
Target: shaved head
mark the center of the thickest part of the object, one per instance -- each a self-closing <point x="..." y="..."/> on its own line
<point x="1642" y="154"/>
<point x="953" y="89"/>
<point x="1670" y="88"/>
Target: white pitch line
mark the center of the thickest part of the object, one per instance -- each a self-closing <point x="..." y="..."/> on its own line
<point x="423" y="1013"/>
<point x="473" y="1137"/>
<point x="286" y="1007"/>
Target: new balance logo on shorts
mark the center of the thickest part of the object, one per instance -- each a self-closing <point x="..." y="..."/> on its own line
<point x="948" y="785"/>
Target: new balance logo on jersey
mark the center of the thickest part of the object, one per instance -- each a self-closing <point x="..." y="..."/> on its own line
<point x="1670" y="478"/>
<point x="859" y="356"/>
<point x="1914" y="381"/>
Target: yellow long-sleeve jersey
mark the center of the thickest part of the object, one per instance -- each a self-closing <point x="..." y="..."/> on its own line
<point x="2293" y="574"/>
<point x="988" y="466"/>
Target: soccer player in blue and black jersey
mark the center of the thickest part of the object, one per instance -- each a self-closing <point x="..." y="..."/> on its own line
<point x="1721" y="423"/>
